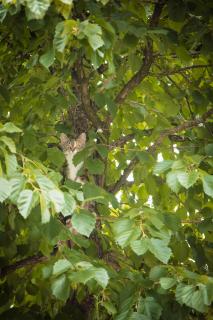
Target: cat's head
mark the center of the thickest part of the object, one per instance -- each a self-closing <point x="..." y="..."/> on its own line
<point x="68" y="145"/>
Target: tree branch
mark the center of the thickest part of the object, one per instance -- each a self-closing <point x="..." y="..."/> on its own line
<point x="83" y="89"/>
<point x="147" y="61"/>
<point x="116" y="187"/>
<point x="171" y="72"/>
<point x="167" y="133"/>
<point x="30" y="261"/>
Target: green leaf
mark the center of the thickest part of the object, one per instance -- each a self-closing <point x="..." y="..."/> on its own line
<point x="45" y="213"/>
<point x="61" y="266"/>
<point x="83" y="276"/>
<point x="56" y="157"/>
<point x="63" y="33"/>
<point x="192" y="296"/>
<point x="160" y="250"/>
<point x="140" y="246"/>
<point x="157" y="272"/>
<point x="17" y="184"/>
<point x="93" y="32"/>
<point x="37" y="8"/>
<point x="187" y="179"/>
<point x="208" y="185"/>
<point x="11" y="164"/>
<point x="95" y="41"/>
<point x="57" y="198"/>
<point x="44" y="182"/>
<point x="3" y="13"/>
<point x="125" y="231"/>
<point x="47" y="59"/>
<point x="162" y="166"/>
<point x="9" y="143"/>
<point x="172" y="181"/>
<point x="9" y="127"/>
<point x="69" y="204"/>
<point x="61" y="288"/>
<point x="150" y="308"/>
<point x="5" y="189"/>
<point x="167" y="283"/>
<point x="108" y="305"/>
<point x="94" y="166"/>
<point x="83" y="222"/>
<point x="25" y="202"/>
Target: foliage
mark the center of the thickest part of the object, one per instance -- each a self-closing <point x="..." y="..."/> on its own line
<point x="135" y="240"/>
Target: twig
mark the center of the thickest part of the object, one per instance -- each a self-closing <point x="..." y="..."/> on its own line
<point x="170" y="72"/>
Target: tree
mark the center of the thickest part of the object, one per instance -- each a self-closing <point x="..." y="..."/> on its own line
<point x="134" y="240"/>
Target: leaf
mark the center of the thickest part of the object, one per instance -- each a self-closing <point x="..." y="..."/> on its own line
<point x="69" y="204"/>
<point x="5" y="189"/>
<point x="44" y="182"/>
<point x="167" y="283"/>
<point x="162" y="166"/>
<point x="160" y="250"/>
<point x="157" y="272"/>
<point x="84" y="222"/>
<point x="11" y="164"/>
<point x="139" y="246"/>
<point x="94" y="166"/>
<point x="63" y="33"/>
<point x="61" y="266"/>
<point x="190" y="295"/>
<point x="57" y="198"/>
<point x="24" y="203"/>
<point x="3" y="13"/>
<point x="9" y="127"/>
<point x="93" y="32"/>
<point x="56" y="157"/>
<point x="83" y="276"/>
<point x="125" y="231"/>
<point x="61" y="288"/>
<point x="108" y="305"/>
<point x="187" y="179"/>
<point x="9" y="143"/>
<point x="17" y="184"/>
<point x="208" y="185"/>
<point x="37" y="8"/>
<point x="150" y="308"/>
<point x="47" y="59"/>
<point x="95" y="41"/>
<point x="45" y="213"/>
<point x="172" y="181"/>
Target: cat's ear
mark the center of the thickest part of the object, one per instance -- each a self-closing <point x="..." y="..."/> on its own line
<point x="81" y="141"/>
<point x="64" y="140"/>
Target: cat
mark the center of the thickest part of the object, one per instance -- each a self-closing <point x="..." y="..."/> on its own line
<point x="70" y="148"/>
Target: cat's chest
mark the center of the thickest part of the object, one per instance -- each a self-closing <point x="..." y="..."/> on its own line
<point x="72" y="170"/>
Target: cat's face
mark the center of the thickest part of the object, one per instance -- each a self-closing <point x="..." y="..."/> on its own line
<point x="68" y="145"/>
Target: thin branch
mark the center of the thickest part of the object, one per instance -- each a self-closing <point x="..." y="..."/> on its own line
<point x="147" y="61"/>
<point x="182" y="127"/>
<point x="116" y="187"/>
<point x="122" y="141"/>
<point x="170" y="132"/>
<point x="171" y="72"/>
